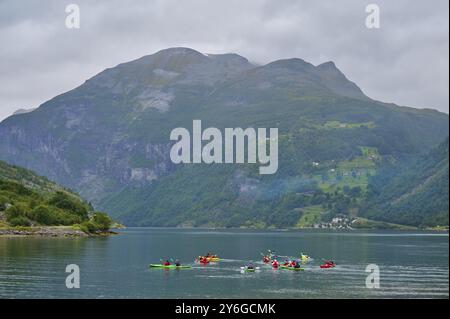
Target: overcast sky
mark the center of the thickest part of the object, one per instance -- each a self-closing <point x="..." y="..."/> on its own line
<point x="406" y="61"/>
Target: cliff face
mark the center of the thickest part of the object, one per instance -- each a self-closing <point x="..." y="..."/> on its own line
<point x="94" y="137"/>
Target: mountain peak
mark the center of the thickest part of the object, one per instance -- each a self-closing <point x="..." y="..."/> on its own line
<point x="336" y="80"/>
<point x="328" y="65"/>
<point x="293" y="63"/>
<point x="230" y="58"/>
<point x="176" y="51"/>
<point x="172" y="58"/>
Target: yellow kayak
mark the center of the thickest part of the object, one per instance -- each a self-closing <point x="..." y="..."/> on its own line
<point x="210" y="259"/>
<point x="305" y="257"/>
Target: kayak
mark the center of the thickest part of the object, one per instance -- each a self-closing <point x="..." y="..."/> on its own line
<point x="292" y="268"/>
<point x="210" y="259"/>
<point x="328" y="266"/>
<point x="169" y="267"/>
<point x="249" y="270"/>
<point x="305" y="258"/>
<point x="202" y="261"/>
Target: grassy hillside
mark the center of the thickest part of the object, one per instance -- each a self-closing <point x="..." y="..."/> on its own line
<point x="415" y="194"/>
<point x="27" y="199"/>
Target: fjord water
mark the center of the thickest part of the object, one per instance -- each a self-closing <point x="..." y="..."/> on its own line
<point x="412" y="265"/>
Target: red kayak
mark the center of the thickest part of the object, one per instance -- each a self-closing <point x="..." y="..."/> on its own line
<point x="328" y="265"/>
<point x="203" y="261"/>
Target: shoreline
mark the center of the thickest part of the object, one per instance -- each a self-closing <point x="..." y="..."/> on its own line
<point x="296" y="229"/>
<point x="50" y="232"/>
<point x="71" y="232"/>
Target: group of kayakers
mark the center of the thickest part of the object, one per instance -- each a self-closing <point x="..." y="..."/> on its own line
<point x="286" y="263"/>
<point x="269" y="258"/>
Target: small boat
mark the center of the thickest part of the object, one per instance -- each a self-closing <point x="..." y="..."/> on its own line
<point x="202" y="260"/>
<point x="210" y="258"/>
<point x="168" y="266"/>
<point x="292" y="268"/>
<point x="305" y="257"/>
<point x="247" y="269"/>
<point x="328" y="264"/>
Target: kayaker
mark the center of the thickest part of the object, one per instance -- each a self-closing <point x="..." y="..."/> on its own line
<point x="297" y="265"/>
<point x="250" y="266"/>
<point x="177" y="263"/>
<point x="293" y="263"/>
<point x="275" y="264"/>
<point x="167" y="263"/>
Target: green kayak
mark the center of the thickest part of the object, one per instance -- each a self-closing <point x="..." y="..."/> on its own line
<point x="249" y="269"/>
<point x="292" y="268"/>
<point x="169" y="267"/>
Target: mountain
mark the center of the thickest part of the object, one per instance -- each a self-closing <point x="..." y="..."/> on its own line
<point x="415" y="194"/>
<point x="109" y="140"/>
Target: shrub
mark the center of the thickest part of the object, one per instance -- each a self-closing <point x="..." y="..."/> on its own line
<point x="88" y="227"/>
<point x="68" y="203"/>
<point x="102" y="220"/>
<point x="3" y="202"/>
<point x="19" y="221"/>
<point x="15" y="211"/>
<point x="43" y="215"/>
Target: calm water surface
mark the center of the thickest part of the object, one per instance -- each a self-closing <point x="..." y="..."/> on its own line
<point x="412" y="265"/>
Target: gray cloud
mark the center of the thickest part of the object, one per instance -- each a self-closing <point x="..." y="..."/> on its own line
<point x="405" y="62"/>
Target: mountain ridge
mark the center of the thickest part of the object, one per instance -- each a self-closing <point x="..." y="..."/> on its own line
<point x="108" y="138"/>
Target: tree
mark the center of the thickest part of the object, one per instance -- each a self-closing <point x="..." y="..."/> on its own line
<point x="68" y="203"/>
<point x="102" y="220"/>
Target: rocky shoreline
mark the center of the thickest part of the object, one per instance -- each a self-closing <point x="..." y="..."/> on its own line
<point x="52" y="232"/>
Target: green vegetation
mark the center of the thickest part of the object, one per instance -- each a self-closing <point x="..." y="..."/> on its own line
<point x="339" y="125"/>
<point x="311" y="215"/>
<point x="415" y="194"/>
<point x="43" y="203"/>
<point x="363" y="223"/>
